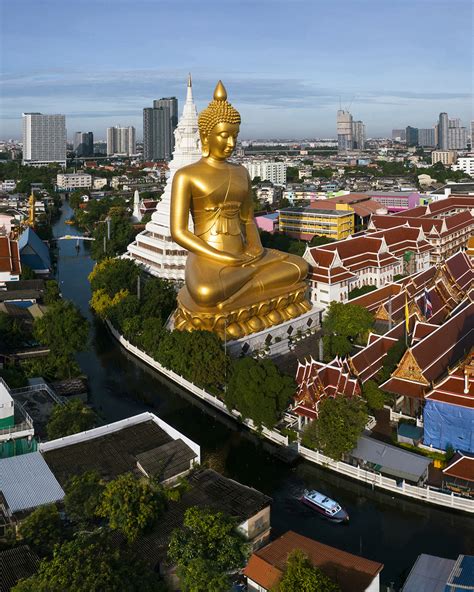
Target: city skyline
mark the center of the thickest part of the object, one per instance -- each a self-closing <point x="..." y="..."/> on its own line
<point x="288" y="67"/>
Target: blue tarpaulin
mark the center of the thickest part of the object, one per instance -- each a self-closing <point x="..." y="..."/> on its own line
<point x="448" y="425"/>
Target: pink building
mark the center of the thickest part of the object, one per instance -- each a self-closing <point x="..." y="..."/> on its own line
<point x="396" y="201"/>
<point x="267" y="222"/>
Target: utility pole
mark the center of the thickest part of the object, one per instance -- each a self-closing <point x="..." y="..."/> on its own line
<point x="139" y="287"/>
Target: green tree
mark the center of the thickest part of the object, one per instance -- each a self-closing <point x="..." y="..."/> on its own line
<point x="339" y="424"/>
<point x="373" y="395"/>
<point x="51" y="293"/>
<point x="343" y="326"/>
<point x="318" y="241"/>
<point x="356" y="292"/>
<point x="131" y="505"/>
<point x="200" y="575"/>
<point x="198" y="356"/>
<point x="63" y="329"/>
<point x="91" y="562"/>
<point x="292" y="174"/>
<point x="208" y="541"/>
<point x="42" y="530"/>
<point x="259" y="391"/>
<point x="114" y="275"/>
<point x="12" y="332"/>
<point x="83" y="495"/>
<point x="70" y="418"/>
<point x="122" y="233"/>
<point x="300" y="575"/>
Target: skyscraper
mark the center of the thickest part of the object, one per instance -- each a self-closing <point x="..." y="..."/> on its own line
<point x="426" y="137"/>
<point x="411" y="134"/>
<point x="159" y="123"/>
<point x="398" y="135"/>
<point x="84" y="143"/>
<point x="44" y="139"/>
<point x="344" y="131"/>
<point x="443" y="126"/>
<point x="121" y="141"/>
<point x="358" y="135"/>
<point x="457" y="135"/>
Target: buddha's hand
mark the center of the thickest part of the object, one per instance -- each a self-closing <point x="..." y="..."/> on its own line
<point x="254" y="252"/>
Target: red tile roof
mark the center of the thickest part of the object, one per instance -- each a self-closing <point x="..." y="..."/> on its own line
<point x="351" y="572"/>
<point x="9" y="256"/>
<point x="461" y="467"/>
<point x="451" y="390"/>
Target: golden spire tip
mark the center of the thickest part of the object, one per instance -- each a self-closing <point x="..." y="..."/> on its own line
<point x="220" y="93"/>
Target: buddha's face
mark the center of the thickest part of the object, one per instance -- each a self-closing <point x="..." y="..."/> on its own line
<point x="221" y="140"/>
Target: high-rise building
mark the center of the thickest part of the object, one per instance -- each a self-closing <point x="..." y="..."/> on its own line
<point x="398" y="135"/>
<point x="120" y="141"/>
<point x="472" y="134"/>
<point x="159" y="123"/>
<point x="84" y="143"/>
<point x="358" y="135"/>
<point x="443" y="126"/>
<point x="426" y="137"/>
<point x="457" y="135"/>
<point x="411" y="134"/>
<point x="275" y="172"/>
<point x="44" y="139"/>
<point x="446" y="157"/>
<point x="344" y="131"/>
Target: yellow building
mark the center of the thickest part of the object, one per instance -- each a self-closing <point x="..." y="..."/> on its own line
<point x="305" y="222"/>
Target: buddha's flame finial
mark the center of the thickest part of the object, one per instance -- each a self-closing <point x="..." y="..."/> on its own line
<point x="190" y="82"/>
<point x="220" y="93"/>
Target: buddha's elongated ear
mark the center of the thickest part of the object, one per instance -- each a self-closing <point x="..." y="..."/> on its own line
<point x="205" y="146"/>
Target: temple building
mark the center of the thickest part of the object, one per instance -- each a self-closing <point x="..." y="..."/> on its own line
<point x="425" y="362"/>
<point x="317" y="381"/>
<point x="338" y="268"/>
<point x="154" y="249"/>
<point x="447" y="224"/>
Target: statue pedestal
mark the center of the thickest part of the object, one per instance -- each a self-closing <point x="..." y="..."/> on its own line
<point x="276" y="340"/>
<point x="231" y="323"/>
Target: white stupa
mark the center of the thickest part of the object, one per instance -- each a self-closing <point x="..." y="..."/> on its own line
<point x="136" y="214"/>
<point x="154" y="249"/>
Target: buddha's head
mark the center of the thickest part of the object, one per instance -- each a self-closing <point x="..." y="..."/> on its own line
<point x="219" y="126"/>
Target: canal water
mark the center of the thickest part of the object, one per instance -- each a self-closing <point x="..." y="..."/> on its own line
<point x="384" y="528"/>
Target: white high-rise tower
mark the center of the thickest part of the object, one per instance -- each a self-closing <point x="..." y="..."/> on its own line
<point x="154" y="249"/>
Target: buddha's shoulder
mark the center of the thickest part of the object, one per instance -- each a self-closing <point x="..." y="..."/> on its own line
<point x="196" y="169"/>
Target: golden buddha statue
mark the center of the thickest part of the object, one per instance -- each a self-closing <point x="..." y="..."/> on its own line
<point x="234" y="286"/>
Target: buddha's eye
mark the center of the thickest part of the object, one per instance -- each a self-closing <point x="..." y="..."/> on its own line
<point x="224" y="135"/>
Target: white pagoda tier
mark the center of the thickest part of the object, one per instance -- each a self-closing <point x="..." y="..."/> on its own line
<point x="153" y="248"/>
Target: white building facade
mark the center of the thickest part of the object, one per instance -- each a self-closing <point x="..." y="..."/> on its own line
<point x="121" y="141"/>
<point x="465" y="164"/>
<point x="154" y="249"/>
<point x="44" y="139"/>
<point x="275" y="172"/>
<point x="72" y="181"/>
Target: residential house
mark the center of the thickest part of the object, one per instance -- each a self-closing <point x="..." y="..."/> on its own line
<point x="351" y="573"/>
<point x="34" y="253"/>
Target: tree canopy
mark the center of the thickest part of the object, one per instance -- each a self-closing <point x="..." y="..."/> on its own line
<point x="343" y="326"/>
<point x="373" y="395"/>
<point x="339" y="424"/>
<point x="42" y="530"/>
<point x="90" y="562"/>
<point x="131" y="505"/>
<point x="114" y="275"/>
<point x="207" y="543"/>
<point x="70" y="418"/>
<point x="62" y="328"/>
<point x="300" y="575"/>
<point x="259" y="391"/>
<point x="391" y="360"/>
<point x="198" y="356"/>
<point x="83" y="495"/>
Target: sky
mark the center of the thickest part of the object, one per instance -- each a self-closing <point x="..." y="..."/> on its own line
<point x="287" y="65"/>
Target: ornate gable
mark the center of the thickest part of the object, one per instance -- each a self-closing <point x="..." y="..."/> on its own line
<point x="409" y="369"/>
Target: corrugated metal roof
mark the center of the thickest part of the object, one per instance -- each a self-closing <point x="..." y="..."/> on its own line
<point x="27" y="482"/>
<point x="429" y="574"/>
<point x="391" y="460"/>
<point x="462" y="575"/>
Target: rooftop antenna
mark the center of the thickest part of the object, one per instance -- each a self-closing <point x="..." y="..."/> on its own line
<point x="350" y="104"/>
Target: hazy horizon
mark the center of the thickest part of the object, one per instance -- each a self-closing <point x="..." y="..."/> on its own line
<point x="287" y="66"/>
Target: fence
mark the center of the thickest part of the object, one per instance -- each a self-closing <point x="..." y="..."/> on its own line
<point x="272" y="435"/>
<point x="35" y="388"/>
<point x="376" y="479"/>
<point x="447" y="500"/>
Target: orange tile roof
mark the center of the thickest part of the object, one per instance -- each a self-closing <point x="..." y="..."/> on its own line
<point x="351" y="572"/>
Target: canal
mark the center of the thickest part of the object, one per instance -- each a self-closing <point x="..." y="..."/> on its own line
<point x="388" y="529"/>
